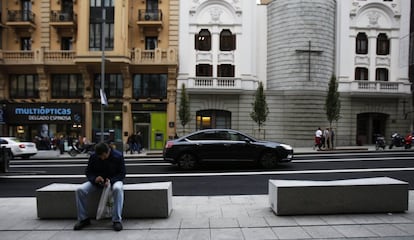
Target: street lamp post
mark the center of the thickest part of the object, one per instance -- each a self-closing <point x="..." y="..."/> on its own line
<point x="102" y="90"/>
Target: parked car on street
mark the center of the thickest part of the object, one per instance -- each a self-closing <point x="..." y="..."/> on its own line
<point x="18" y="148"/>
<point x="224" y="145"/>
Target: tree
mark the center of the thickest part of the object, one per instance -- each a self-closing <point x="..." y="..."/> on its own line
<point x="184" y="107"/>
<point x="260" y="109"/>
<point x="333" y="103"/>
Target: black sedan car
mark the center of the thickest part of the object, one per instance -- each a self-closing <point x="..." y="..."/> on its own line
<point x="224" y="145"/>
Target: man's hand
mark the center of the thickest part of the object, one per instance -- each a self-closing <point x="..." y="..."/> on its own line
<point x="99" y="180"/>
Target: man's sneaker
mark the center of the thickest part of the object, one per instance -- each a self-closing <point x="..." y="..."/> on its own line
<point x="81" y="224"/>
<point x="117" y="226"/>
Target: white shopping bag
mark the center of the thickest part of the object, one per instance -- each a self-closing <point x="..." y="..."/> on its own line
<point x="106" y="204"/>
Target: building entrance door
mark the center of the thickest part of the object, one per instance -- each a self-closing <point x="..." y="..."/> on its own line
<point x="369" y="125"/>
<point x="145" y="133"/>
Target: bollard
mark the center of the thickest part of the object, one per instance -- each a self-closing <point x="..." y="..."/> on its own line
<point x="5" y="154"/>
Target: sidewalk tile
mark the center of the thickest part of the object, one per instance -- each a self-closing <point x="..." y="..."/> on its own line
<point x="366" y="219"/>
<point x="309" y="220"/>
<point x="281" y="221"/>
<point x="130" y="235"/>
<point x="234" y="211"/>
<point x="161" y="234"/>
<point x="226" y="234"/>
<point x="337" y="219"/>
<point x="354" y="231"/>
<point x="258" y="234"/>
<point x="252" y="222"/>
<point x="406" y="227"/>
<point x="55" y="224"/>
<point x="138" y="223"/>
<point x="386" y="230"/>
<point x="260" y="211"/>
<point x="291" y="233"/>
<point x="167" y="223"/>
<point x="224" y="223"/>
<point x="195" y="223"/>
<point x="193" y="234"/>
<point x="395" y="218"/>
<point x="38" y="235"/>
<point x="322" y="232"/>
<point x="208" y="211"/>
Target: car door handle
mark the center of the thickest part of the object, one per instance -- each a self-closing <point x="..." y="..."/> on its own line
<point x="227" y="144"/>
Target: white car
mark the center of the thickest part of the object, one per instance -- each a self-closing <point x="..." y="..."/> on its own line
<point x="18" y="148"/>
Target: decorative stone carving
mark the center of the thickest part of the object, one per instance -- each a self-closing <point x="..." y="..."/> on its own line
<point x="373" y="17"/>
<point x="215" y="14"/>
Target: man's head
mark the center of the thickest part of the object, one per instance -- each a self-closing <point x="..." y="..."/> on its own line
<point x="102" y="150"/>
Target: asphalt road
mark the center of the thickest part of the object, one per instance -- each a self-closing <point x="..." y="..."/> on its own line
<point x="25" y="176"/>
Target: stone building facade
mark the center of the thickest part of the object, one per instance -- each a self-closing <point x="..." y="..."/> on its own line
<point x="51" y="69"/>
<point x="303" y="44"/>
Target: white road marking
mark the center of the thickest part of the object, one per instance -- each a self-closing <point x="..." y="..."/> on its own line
<point x="219" y="174"/>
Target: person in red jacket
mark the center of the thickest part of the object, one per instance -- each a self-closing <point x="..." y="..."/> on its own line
<point x="106" y="167"/>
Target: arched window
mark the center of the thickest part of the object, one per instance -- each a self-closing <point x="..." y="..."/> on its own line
<point x="361" y="43"/>
<point x="227" y="40"/>
<point x="361" y="73"/>
<point x="203" y="40"/>
<point x="381" y="74"/>
<point x="383" y="44"/>
<point x="213" y="119"/>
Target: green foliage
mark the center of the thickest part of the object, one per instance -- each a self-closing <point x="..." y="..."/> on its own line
<point x="333" y="103"/>
<point x="184" y="107"/>
<point x="260" y="109"/>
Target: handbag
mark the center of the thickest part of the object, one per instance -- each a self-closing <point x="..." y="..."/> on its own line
<point x="106" y="203"/>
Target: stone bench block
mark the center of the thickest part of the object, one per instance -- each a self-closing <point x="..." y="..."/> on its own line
<point x="365" y="195"/>
<point x="143" y="200"/>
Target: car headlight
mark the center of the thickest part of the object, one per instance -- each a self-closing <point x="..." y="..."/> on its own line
<point x="287" y="147"/>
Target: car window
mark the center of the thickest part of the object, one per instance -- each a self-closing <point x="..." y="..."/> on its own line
<point x="236" y="136"/>
<point x="2" y="141"/>
<point x="223" y="135"/>
<point x="202" y="136"/>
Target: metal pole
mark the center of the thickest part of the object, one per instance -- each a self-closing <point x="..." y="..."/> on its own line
<point x="103" y="71"/>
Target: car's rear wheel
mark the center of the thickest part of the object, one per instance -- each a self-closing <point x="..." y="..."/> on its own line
<point x="269" y="160"/>
<point x="187" y="161"/>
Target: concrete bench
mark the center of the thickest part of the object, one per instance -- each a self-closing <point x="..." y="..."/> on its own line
<point x="143" y="200"/>
<point x="365" y="195"/>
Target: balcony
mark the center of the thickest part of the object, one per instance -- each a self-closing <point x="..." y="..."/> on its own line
<point x="217" y="84"/>
<point x="21" y="20"/>
<point x="62" y="20"/>
<point x="363" y="88"/>
<point x="62" y="57"/>
<point x="149" y="18"/>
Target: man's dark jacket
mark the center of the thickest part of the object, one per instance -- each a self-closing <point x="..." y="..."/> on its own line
<point x="112" y="168"/>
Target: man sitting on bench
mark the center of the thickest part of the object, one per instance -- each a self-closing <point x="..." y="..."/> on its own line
<point x="105" y="167"/>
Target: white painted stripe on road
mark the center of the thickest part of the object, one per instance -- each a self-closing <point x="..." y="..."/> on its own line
<point x="221" y="174"/>
<point x="83" y="165"/>
<point x="168" y="164"/>
<point x="353" y="159"/>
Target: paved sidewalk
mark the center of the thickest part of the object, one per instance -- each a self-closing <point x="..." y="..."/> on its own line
<point x="219" y="217"/>
<point x="240" y="217"/>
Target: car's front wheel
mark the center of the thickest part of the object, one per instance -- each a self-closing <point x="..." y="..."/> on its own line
<point x="268" y="160"/>
<point x="187" y="161"/>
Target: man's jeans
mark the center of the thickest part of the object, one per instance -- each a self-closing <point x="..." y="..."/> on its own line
<point x="82" y="200"/>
